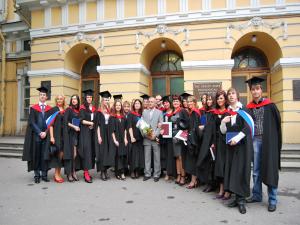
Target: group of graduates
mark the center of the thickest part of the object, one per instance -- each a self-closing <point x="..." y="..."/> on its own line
<point x="223" y="138"/>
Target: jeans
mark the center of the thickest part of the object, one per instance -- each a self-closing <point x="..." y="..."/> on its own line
<point x="257" y="182"/>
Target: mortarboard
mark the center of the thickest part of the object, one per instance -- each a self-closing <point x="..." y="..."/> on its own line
<point x="254" y="81"/>
<point x="88" y="92"/>
<point x="116" y="97"/>
<point x="166" y="98"/>
<point x="185" y="95"/>
<point x="105" y="94"/>
<point x="145" y="97"/>
<point x="42" y="89"/>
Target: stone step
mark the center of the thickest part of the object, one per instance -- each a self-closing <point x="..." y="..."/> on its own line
<point x="10" y="155"/>
<point x="11" y="149"/>
<point x="290" y="157"/>
<point x="290" y="166"/>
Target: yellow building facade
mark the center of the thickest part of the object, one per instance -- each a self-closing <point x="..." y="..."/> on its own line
<point x="135" y="47"/>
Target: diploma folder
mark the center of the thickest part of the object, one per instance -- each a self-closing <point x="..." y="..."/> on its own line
<point x="76" y="122"/>
<point x="167" y="127"/>
<point x="203" y="120"/>
<point x="230" y="135"/>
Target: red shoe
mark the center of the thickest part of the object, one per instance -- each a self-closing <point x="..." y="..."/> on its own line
<point x="58" y="180"/>
<point x="87" y="177"/>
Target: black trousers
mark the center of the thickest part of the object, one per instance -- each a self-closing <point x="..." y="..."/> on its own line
<point x="41" y="166"/>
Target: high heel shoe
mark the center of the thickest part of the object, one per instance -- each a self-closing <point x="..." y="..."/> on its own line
<point x="123" y="177"/>
<point x="70" y="179"/>
<point x="177" y="181"/>
<point x="58" y="180"/>
<point x="87" y="177"/>
<point x="192" y="186"/>
<point x="103" y="177"/>
<point x="75" y="177"/>
<point x="182" y="183"/>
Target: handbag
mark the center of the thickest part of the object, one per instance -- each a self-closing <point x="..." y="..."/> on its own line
<point x="53" y="150"/>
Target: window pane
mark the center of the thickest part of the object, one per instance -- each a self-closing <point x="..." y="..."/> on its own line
<point x="243" y="100"/>
<point x="239" y="84"/>
<point x="159" y="86"/>
<point x="264" y="83"/>
<point x="166" y="61"/>
<point x="87" y="84"/>
<point x="90" y="67"/>
<point x="27" y="92"/>
<point x="176" y="85"/>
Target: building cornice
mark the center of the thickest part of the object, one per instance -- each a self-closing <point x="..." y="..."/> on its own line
<point x="207" y="64"/>
<point x="168" y="19"/>
<point x="123" y="68"/>
<point x="285" y="63"/>
<point x="53" y="72"/>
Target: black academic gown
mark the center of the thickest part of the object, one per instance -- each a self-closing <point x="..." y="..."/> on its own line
<point x="238" y="161"/>
<point x="71" y="140"/>
<point x="105" y="158"/>
<point x="193" y="143"/>
<point x="35" y="148"/>
<point x="205" y="162"/>
<point x="220" y="145"/>
<point x="86" y="140"/>
<point x="271" y="145"/>
<point x="118" y="127"/>
<point x="58" y="124"/>
<point x="136" y="149"/>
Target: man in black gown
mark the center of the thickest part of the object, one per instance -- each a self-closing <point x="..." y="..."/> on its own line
<point x="267" y="144"/>
<point x="37" y="143"/>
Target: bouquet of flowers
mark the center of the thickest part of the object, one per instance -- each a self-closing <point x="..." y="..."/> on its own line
<point x="144" y="127"/>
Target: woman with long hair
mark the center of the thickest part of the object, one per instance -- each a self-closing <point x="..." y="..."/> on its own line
<point x="71" y="138"/>
<point x="136" y="152"/>
<point x="118" y="143"/>
<point x="87" y="147"/>
<point x="57" y="139"/>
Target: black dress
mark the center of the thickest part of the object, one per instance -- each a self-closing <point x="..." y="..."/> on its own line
<point x="71" y="140"/>
<point x="136" y="149"/>
<point x="105" y="157"/>
<point x="118" y="127"/>
<point x="86" y="139"/>
<point x="220" y="145"/>
<point x="193" y="144"/>
<point x="58" y="133"/>
<point x="238" y="161"/>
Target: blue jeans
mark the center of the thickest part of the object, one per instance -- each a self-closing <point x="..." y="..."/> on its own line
<point x="257" y="182"/>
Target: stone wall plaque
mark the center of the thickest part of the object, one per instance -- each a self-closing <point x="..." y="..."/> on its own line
<point x="200" y="88"/>
<point x="296" y="90"/>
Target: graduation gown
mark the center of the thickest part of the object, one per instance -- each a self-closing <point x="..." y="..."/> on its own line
<point x="271" y="142"/>
<point x="71" y="140"/>
<point x="193" y="143"/>
<point x="136" y="149"/>
<point x="32" y="152"/>
<point x="105" y="157"/>
<point x="86" y="139"/>
<point x="238" y="160"/>
<point x="220" y="145"/>
<point x="55" y="162"/>
<point x="118" y="127"/>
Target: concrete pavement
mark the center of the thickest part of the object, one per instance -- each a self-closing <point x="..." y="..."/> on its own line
<point x="130" y="202"/>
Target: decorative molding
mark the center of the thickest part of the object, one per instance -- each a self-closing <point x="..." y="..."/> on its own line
<point x="79" y="37"/>
<point x="161" y="30"/>
<point x="285" y="63"/>
<point x="53" y="72"/>
<point x="256" y="23"/>
<point x="123" y="68"/>
<point x="207" y="64"/>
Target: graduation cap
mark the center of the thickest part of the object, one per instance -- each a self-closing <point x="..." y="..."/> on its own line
<point x="116" y="97"/>
<point x="182" y="123"/>
<point x="88" y="92"/>
<point x="166" y="98"/>
<point x="185" y="95"/>
<point x="42" y="89"/>
<point x="105" y="94"/>
<point x="254" y="81"/>
<point x="145" y="97"/>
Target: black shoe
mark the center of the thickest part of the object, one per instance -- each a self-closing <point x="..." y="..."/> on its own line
<point x="146" y="178"/>
<point x="251" y="200"/>
<point x="156" y="179"/>
<point x="106" y="175"/>
<point x="45" y="179"/>
<point x="271" y="208"/>
<point x="37" y="180"/>
<point x="103" y="177"/>
<point x="242" y="208"/>
<point x="232" y="204"/>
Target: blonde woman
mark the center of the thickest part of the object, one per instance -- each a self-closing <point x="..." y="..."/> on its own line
<point x="56" y="138"/>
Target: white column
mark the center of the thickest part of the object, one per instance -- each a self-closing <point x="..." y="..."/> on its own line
<point x="280" y="2"/>
<point x="8" y="46"/>
<point x="140" y="8"/>
<point x="64" y="14"/>
<point x="254" y="3"/>
<point x="47" y="16"/>
<point x="100" y="10"/>
<point x="183" y="5"/>
<point x="206" y="5"/>
<point x="20" y="98"/>
<point x="18" y="45"/>
<point x="120" y="9"/>
<point x="161" y="7"/>
<point x="82" y="12"/>
<point x="230" y="4"/>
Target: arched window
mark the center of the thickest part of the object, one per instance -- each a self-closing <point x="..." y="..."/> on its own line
<point x="90" y="67"/>
<point x="167" y="74"/>
<point x="250" y="58"/>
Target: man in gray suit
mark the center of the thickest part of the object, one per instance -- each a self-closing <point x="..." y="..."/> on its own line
<point x="153" y="117"/>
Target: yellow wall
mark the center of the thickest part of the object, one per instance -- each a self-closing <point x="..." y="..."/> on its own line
<point x="91" y="11"/>
<point x="130" y="8"/>
<point x="218" y="4"/>
<point x="73" y="14"/>
<point x="151" y="7"/>
<point x="10" y="10"/>
<point x="37" y="19"/>
<point x="172" y="6"/>
<point x="56" y="16"/>
<point x="242" y="3"/>
<point x="195" y="5"/>
<point x="267" y="2"/>
<point x="110" y="9"/>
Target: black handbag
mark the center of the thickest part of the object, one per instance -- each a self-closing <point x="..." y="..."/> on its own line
<point x="53" y="150"/>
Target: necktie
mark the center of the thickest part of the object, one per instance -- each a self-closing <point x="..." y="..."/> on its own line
<point x="43" y="109"/>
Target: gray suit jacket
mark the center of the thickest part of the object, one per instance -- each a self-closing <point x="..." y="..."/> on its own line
<point x="157" y="117"/>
